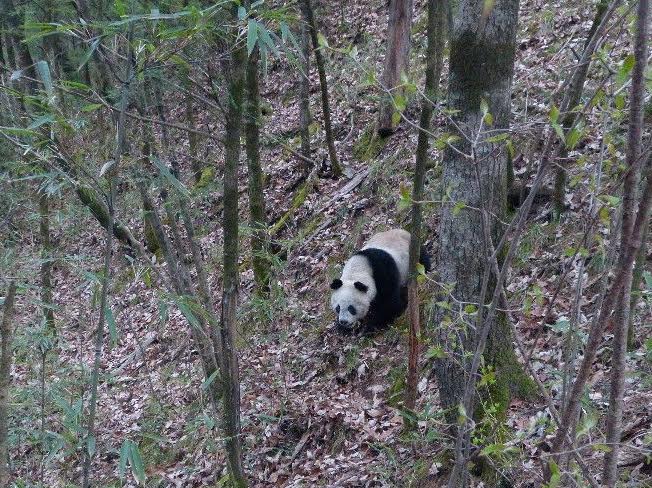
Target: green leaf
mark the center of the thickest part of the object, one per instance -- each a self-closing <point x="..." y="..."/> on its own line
<point x="484" y="107"/>
<point x="497" y="138"/>
<point x="252" y="35"/>
<point x="43" y="70"/>
<point x="39" y="121"/>
<point x="435" y="352"/>
<point x="604" y="215"/>
<point x="120" y="8"/>
<point x="470" y="308"/>
<point x="488" y="119"/>
<point x="612" y="200"/>
<point x="555" y="475"/>
<point x="90" y="445"/>
<point x="554" y="114"/>
<point x="187" y="312"/>
<point x="625" y="69"/>
<point x="242" y="12"/>
<point x="457" y="208"/>
<point x="208" y="381"/>
<point x="321" y="40"/>
<point x="461" y="414"/>
<point x="91" y="107"/>
<point x="619" y="102"/>
<point x="574" y="136"/>
<point x="137" y="466"/>
<point x="89" y="53"/>
<point x="124" y="458"/>
<point x="110" y="321"/>
<point x="396" y="118"/>
<point x="400" y="102"/>
<point x="601" y="447"/>
<point x="421" y="269"/>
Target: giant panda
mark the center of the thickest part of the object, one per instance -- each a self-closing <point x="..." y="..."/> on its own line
<point x="373" y="282"/>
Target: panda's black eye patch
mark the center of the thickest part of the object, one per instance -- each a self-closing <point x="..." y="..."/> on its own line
<point x="337" y="309"/>
<point x="352" y="310"/>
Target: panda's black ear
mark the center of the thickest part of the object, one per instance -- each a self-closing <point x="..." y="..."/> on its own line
<point x="361" y="286"/>
<point x="336" y="284"/>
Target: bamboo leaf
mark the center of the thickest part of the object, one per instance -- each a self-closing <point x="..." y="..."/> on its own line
<point x="252" y="35"/>
<point x="137" y="465"/>
<point x="110" y="321"/>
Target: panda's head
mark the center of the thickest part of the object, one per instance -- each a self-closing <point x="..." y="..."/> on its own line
<point x="350" y="301"/>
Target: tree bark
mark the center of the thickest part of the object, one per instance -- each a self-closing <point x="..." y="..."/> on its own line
<point x="304" y="97"/>
<point x="434" y="61"/>
<point x="309" y="15"/>
<point x="576" y="89"/>
<point x="46" y="261"/>
<point x="474" y="172"/>
<point x="630" y="192"/>
<point x="396" y="61"/>
<point x="257" y="220"/>
<point x="106" y="275"/>
<point x="229" y="359"/>
<point x="6" y="338"/>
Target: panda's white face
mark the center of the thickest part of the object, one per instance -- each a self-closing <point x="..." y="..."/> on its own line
<point x="350" y="301"/>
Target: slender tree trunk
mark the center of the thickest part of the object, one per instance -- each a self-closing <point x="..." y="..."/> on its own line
<point x="630" y="192"/>
<point x="46" y="262"/>
<point x="576" y="89"/>
<point x="623" y="267"/>
<point x="6" y="338"/>
<point x="434" y="60"/>
<point x="190" y="120"/>
<point x="396" y="61"/>
<point x="304" y="97"/>
<point x="257" y="218"/>
<point x="309" y="15"/>
<point x="639" y="267"/>
<point x="99" y="333"/>
<point x="229" y="360"/>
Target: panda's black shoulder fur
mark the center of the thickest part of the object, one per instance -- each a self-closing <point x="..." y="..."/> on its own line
<point x="391" y="299"/>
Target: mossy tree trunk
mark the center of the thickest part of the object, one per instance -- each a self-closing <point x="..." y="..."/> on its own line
<point x="235" y="70"/>
<point x="309" y="16"/>
<point x="481" y="67"/>
<point x="397" y="60"/>
<point x="434" y="58"/>
<point x="257" y="220"/>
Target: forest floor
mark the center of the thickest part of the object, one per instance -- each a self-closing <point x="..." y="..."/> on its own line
<point x="320" y="409"/>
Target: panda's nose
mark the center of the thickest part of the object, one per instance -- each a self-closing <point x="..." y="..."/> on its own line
<point x="344" y="323"/>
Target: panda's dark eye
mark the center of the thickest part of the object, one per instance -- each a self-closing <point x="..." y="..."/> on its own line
<point x="337" y="309"/>
<point x="352" y="309"/>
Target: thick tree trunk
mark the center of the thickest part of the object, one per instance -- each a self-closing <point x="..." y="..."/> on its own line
<point x="6" y="337"/>
<point x="434" y="60"/>
<point x="229" y="359"/>
<point x="397" y="60"/>
<point x="630" y="193"/>
<point x="481" y="68"/>
<point x="257" y="220"/>
<point x="309" y="15"/>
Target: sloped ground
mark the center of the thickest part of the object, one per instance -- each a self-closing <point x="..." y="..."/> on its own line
<point x="319" y="409"/>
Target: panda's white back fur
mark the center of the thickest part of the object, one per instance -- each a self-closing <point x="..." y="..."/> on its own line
<point x="396" y="243"/>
